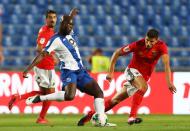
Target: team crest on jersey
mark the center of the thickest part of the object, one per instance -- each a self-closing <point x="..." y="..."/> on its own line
<point x="154" y="53"/>
<point x="42" y="40"/>
<point x="68" y="79"/>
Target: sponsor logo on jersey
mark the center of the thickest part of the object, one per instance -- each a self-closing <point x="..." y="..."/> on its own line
<point x="68" y="79"/>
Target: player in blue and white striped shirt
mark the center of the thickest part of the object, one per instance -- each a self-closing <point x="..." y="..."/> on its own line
<point x="73" y="74"/>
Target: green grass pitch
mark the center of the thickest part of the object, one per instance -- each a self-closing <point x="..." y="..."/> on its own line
<point x="68" y="123"/>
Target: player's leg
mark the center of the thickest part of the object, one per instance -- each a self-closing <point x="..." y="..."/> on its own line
<point x="69" y="80"/>
<point x="92" y="88"/>
<point x="45" y="105"/>
<point x="125" y="92"/>
<point x="140" y="83"/>
<point x="46" y="83"/>
<point x="88" y="85"/>
<point x="16" y="98"/>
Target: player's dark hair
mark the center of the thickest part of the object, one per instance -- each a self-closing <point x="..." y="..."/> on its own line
<point x="50" y="12"/>
<point x="98" y="50"/>
<point x="152" y="33"/>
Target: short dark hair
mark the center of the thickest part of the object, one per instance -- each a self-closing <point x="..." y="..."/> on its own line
<point x="97" y="50"/>
<point x="50" y="12"/>
<point x="152" y="33"/>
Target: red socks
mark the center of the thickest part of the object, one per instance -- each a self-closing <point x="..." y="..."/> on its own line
<point x="109" y="105"/>
<point x="137" y="99"/>
<point x="25" y="96"/>
<point x="45" y="107"/>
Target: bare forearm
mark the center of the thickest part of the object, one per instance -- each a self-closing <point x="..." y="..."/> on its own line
<point x="73" y="12"/>
<point x="113" y="61"/>
<point x="168" y="74"/>
<point x="36" y="60"/>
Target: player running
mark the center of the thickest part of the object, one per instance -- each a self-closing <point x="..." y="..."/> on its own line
<point x="44" y="70"/>
<point x="146" y="53"/>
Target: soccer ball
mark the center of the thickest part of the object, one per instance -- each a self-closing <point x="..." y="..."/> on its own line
<point x="99" y="119"/>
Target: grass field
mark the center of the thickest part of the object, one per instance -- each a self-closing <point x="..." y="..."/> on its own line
<point x="68" y="123"/>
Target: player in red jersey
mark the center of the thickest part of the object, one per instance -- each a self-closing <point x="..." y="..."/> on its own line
<point x="44" y="71"/>
<point x="146" y="53"/>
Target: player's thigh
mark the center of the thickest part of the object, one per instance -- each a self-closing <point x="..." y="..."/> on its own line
<point x="120" y="96"/>
<point x="92" y="88"/>
<point x="69" y="83"/>
<point x="140" y="83"/>
<point x="70" y="90"/>
<point x="135" y="78"/>
<point x="87" y="84"/>
<point x="45" y="78"/>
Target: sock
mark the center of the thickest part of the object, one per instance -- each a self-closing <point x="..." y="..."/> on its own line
<point x="59" y="96"/>
<point x="25" y="96"/>
<point x="45" y="107"/>
<point x="99" y="105"/>
<point x="109" y="105"/>
<point x="137" y="99"/>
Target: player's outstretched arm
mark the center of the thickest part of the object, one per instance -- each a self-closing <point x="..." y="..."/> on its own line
<point x="114" y="58"/>
<point x="165" y="59"/>
<point x="74" y="12"/>
<point x="36" y="60"/>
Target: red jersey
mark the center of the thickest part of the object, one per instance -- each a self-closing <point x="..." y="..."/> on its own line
<point x="45" y="33"/>
<point x="144" y="59"/>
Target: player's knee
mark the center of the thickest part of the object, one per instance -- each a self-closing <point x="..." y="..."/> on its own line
<point x="99" y="94"/>
<point x="50" y="90"/>
<point x="144" y="87"/>
<point x="69" y="97"/>
<point x="115" y="101"/>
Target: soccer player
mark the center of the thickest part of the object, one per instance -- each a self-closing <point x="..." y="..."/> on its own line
<point x="146" y="53"/>
<point x="44" y="70"/>
<point x="73" y="74"/>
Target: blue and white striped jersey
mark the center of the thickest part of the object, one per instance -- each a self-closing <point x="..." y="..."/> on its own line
<point x="67" y="51"/>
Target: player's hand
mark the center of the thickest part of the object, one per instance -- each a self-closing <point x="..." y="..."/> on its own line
<point x="109" y="77"/>
<point x="74" y="12"/>
<point x="172" y="88"/>
<point x="25" y="74"/>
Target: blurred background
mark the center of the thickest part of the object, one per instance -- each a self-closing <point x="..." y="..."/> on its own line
<point x="107" y="24"/>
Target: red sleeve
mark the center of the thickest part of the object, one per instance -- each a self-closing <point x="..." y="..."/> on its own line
<point x="128" y="48"/>
<point x="42" y="38"/>
<point x="164" y="49"/>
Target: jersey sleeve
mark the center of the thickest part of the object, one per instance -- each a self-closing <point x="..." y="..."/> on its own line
<point x="52" y="45"/>
<point x="128" y="48"/>
<point x="164" y="49"/>
<point x="42" y="38"/>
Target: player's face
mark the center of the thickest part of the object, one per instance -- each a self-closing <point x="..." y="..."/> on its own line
<point x="150" y="42"/>
<point x="51" y="20"/>
<point x="67" y="25"/>
<point x="70" y="25"/>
